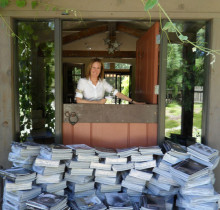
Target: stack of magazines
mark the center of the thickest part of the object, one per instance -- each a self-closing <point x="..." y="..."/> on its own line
<point x="162" y="183"/>
<point x="105" y="152"/>
<point x="204" y="155"/>
<point x="17" y="199"/>
<point x="152" y="202"/>
<point x="142" y="162"/>
<point x="79" y="176"/>
<point x="121" y="162"/>
<point x="118" y="201"/>
<point x="126" y="152"/>
<point x="149" y="201"/>
<point x="106" y="179"/>
<point x="196" y="179"/>
<point x="23" y="154"/>
<point x="131" y="178"/>
<point x="189" y="169"/>
<point x="136" y="181"/>
<point x="47" y="201"/>
<point x="80" y="190"/>
<point x="18" y="187"/>
<point x="155" y="150"/>
<point x="18" y="179"/>
<point x="50" y="168"/>
<point x="89" y="202"/>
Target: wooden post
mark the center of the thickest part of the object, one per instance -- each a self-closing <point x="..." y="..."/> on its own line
<point x="188" y="91"/>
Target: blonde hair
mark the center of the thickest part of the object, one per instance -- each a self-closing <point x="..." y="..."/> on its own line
<point x="101" y="75"/>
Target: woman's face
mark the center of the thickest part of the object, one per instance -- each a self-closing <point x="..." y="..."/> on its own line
<point x="95" y="69"/>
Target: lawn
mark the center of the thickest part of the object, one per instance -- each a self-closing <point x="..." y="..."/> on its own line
<point x="173" y="120"/>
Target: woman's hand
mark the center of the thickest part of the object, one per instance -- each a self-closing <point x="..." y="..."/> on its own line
<point x="123" y="97"/>
<point x="102" y="101"/>
<point x="135" y="102"/>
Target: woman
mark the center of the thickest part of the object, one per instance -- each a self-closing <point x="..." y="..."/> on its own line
<point x="92" y="89"/>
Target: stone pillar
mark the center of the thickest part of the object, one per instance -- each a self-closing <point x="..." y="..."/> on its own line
<point x="213" y="112"/>
<point x="6" y="95"/>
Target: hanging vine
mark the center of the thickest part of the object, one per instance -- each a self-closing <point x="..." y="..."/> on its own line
<point x="150" y="4"/>
<point x="24" y="59"/>
<point x="28" y="101"/>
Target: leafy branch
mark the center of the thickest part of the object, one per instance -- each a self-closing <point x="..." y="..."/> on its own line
<point x="150" y="4"/>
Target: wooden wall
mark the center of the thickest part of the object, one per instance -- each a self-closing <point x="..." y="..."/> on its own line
<point x="110" y="135"/>
<point x="147" y="65"/>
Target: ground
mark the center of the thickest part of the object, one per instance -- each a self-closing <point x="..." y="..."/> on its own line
<point x="173" y="120"/>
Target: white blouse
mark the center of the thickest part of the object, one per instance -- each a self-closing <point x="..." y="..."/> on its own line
<point x="86" y="90"/>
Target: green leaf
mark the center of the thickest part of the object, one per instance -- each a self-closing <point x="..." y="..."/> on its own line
<point x="3" y="3"/>
<point x="34" y="4"/>
<point x="21" y="3"/>
<point x="35" y="37"/>
<point x="167" y="26"/>
<point x="150" y="4"/>
<point x="182" y="37"/>
<point x="13" y="34"/>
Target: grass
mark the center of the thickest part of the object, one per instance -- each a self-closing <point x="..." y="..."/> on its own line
<point x="173" y="120"/>
<point x="197" y="120"/>
<point x="172" y="123"/>
<point x="197" y="116"/>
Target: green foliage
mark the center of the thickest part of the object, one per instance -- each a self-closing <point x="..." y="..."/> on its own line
<point x="174" y="104"/>
<point x="28" y="32"/>
<point x="125" y="85"/>
<point x="197" y="116"/>
<point x="34" y="4"/>
<point x="171" y="123"/>
<point x="174" y="69"/>
<point x="3" y="3"/>
<point x="150" y="4"/>
<point x="21" y="3"/>
<point x="173" y="111"/>
<point x="167" y="26"/>
<point x="182" y="37"/>
<point x="197" y="120"/>
<point x="122" y="66"/>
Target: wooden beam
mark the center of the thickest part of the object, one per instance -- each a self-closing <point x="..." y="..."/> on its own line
<point x="83" y="34"/>
<point x="102" y="54"/>
<point x="130" y="31"/>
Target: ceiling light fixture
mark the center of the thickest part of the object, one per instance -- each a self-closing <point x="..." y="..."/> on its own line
<point x="113" y="44"/>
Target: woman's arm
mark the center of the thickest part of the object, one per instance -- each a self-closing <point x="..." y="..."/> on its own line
<point x="124" y="97"/>
<point x="83" y="101"/>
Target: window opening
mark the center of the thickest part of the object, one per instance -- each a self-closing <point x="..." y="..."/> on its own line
<point x="71" y="75"/>
<point x="185" y="81"/>
<point x="36" y="79"/>
<point x="119" y="80"/>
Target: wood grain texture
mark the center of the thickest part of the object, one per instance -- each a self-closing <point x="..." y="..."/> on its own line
<point x="147" y="65"/>
<point x="110" y="135"/>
